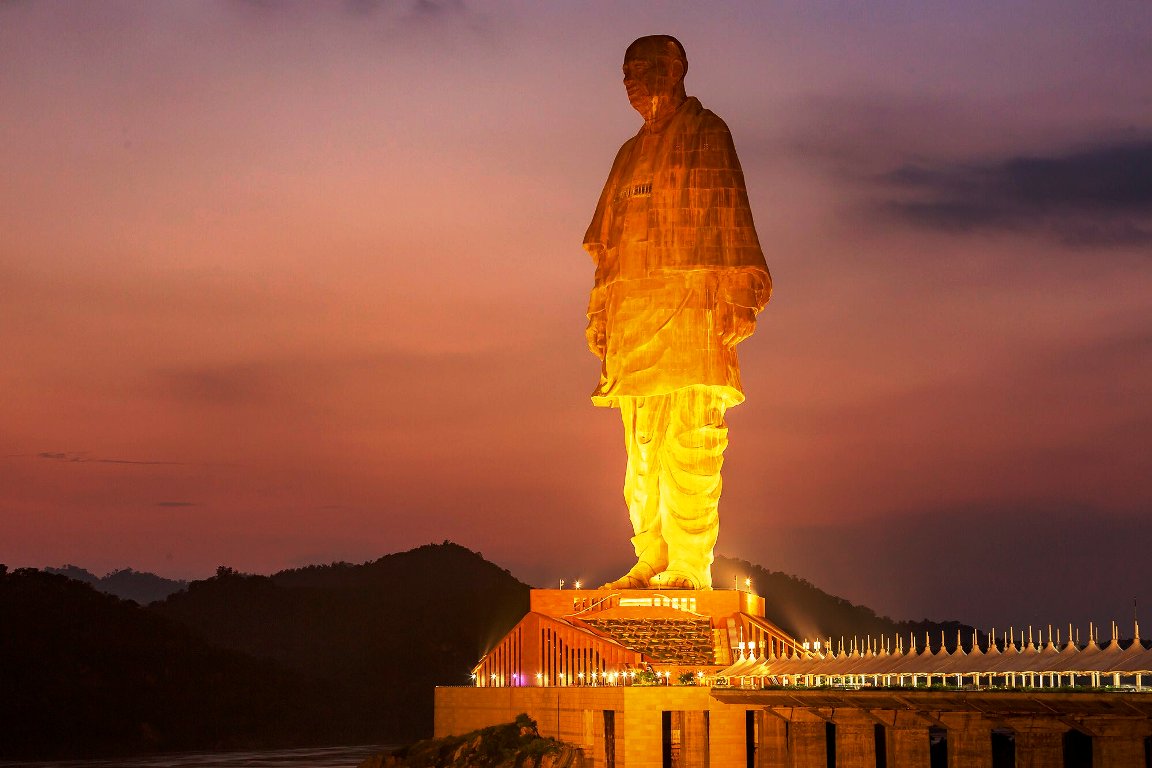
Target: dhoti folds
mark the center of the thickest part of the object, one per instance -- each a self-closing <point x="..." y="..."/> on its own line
<point x="675" y="445"/>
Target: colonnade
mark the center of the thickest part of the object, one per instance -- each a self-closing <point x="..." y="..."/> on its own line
<point x="853" y="738"/>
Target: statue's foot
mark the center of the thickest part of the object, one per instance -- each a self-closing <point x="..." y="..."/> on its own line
<point x="637" y="577"/>
<point x="676" y="578"/>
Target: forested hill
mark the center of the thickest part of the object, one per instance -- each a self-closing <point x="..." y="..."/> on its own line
<point x="83" y="674"/>
<point x="805" y="611"/>
<point x="385" y="632"/>
<point x="337" y="654"/>
<point x="125" y="583"/>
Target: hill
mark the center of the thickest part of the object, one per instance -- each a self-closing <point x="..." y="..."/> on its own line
<point x="385" y="633"/>
<point x="139" y="586"/>
<point x="805" y="611"/>
<point x="83" y="674"/>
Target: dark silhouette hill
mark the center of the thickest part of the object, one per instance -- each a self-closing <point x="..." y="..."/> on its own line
<point x="83" y="674"/>
<point x="385" y="633"/>
<point x="140" y="586"/>
<point x="805" y="611"/>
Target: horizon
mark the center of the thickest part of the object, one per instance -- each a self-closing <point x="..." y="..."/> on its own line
<point x="290" y="283"/>
<point x="738" y="584"/>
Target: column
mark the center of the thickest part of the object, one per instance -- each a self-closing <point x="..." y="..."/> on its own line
<point x="907" y="741"/>
<point x="727" y="736"/>
<point x="773" y="751"/>
<point x="1039" y="742"/>
<point x="640" y="729"/>
<point x="855" y="739"/>
<point x="969" y="740"/>
<point x="1118" y="742"/>
<point x="694" y="740"/>
<point x="808" y="743"/>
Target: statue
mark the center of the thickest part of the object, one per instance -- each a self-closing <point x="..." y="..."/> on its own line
<point x="680" y="278"/>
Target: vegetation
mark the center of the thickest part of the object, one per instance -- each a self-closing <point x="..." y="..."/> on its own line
<point x="84" y="674"/>
<point x="143" y="588"/>
<point x="384" y="633"/>
<point x="804" y="611"/>
<point x="511" y="745"/>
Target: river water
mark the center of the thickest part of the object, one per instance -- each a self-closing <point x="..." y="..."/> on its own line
<point x="316" y="757"/>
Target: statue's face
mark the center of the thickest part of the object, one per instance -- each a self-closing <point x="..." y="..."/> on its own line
<point x="651" y="75"/>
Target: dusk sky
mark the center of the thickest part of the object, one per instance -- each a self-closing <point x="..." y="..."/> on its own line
<point x="288" y="283"/>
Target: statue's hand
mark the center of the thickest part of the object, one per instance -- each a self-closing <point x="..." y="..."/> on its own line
<point x="597" y="335"/>
<point x="737" y="323"/>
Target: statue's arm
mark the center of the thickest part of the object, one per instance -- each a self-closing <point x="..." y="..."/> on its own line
<point x="596" y="331"/>
<point x="743" y="294"/>
<point x="595" y="243"/>
<point x="597" y="334"/>
<point x="745" y="285"/>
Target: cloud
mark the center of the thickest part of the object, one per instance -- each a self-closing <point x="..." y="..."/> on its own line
<point x="436" y="8"/>
<point x="412" y="9"/>
<point x="1096" y="196"/>
<point x="222" y="385"/>
<point x="84" y="458"/>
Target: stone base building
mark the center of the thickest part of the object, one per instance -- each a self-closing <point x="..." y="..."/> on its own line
<point x="641" y="679"/>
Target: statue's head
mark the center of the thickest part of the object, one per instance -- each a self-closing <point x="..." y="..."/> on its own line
<point x="654" y="68"/>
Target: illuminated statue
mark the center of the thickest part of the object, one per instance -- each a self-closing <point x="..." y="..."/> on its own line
<point x="680" y="278"/>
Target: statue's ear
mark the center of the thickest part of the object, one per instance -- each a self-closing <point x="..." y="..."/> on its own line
<point x="678" y="67"/>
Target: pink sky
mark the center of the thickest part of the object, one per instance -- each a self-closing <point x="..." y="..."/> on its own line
<point x="294" y="283"/>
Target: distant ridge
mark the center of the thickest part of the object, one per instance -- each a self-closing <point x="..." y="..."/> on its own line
<point x="384" y="632"/>
<point x="83" y="675"/>
<point x="807" y="612"/>
<point x="127" y="584"/>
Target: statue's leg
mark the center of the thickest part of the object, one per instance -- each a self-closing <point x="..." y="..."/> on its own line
<point x="645" y="422"/>
<point x="690" y="485"/>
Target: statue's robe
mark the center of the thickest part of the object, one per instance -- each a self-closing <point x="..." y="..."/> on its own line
<point x="674" y="247"/>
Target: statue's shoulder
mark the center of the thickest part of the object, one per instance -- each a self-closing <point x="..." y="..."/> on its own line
<point x="714" y="122"/>
<point x="699" y="121"/>
<point x="629" y="144"/>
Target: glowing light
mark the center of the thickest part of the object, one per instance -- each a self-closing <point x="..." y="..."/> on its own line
<point x="666" y="312"/>
<point x="576" y="585"/>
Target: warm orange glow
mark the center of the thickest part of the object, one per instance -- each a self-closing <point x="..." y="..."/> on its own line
<point x="679" y="280"/>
